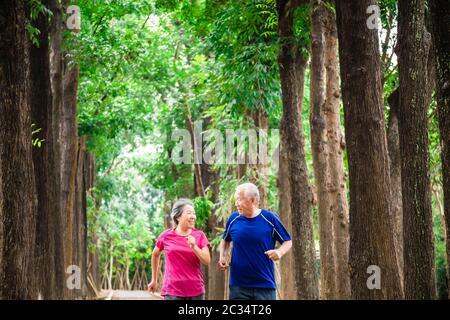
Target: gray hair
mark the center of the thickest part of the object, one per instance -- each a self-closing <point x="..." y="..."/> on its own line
<point x="250" y="190"/>
<point x="177" y="209"/>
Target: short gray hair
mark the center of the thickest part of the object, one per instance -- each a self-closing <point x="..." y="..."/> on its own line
<point x="177" y="209"/>
<point x="250" y="190"/>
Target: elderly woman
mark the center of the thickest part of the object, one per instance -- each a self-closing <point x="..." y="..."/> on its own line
<point x="186" y="248"/>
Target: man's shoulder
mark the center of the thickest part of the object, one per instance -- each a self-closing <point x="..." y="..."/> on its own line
<point x="269" y="214"/>
<point x="233" y="216"/>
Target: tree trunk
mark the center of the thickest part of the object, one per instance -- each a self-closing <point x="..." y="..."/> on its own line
<point x="440" y="11"/>
<point x="69" y="152"/>
<point x="292" y="71"/>
<point x="414" y="44"/>
<point x="49" y="245"/>
<point x="371" y="237"/>
<point x="79" y="230"/>
<point x="17" y="184"/>
<point x="261" y="125"/>
<point x="216" y="279"/>
<point x="393" y="139"/>
<point x="336" y="145"/>
<point x="57" y="87"/>
<point x="320" y="151"/>
<point x="93" y="263"/>
<point x="288" y="288"/>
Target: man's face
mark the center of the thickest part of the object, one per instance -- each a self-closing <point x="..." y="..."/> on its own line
<point x="244" y="204"/>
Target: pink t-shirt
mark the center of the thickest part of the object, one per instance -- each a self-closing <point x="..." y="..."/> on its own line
<point x="183" y="274"/>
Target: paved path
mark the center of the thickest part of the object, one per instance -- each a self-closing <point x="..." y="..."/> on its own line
<point x="134" y="295"/>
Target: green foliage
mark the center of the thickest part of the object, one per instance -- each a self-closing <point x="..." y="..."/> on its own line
<point x="37" y="142"/>
<point x="203" y="209"/>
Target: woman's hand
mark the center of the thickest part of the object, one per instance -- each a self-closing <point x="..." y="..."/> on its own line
<point x="152" y="286"/>
<point x="191" y="241"/>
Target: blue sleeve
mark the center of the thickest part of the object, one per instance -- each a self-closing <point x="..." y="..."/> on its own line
<point x="280" y="232"/>
<point x="226" y="234"/>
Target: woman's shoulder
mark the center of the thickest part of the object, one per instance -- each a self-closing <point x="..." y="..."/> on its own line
<point x="165" y="232"/>
<point x="198" y="232"/>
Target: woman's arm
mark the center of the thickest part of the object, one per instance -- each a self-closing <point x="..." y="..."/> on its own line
<point x="156" y="255"/>
<point x="203" y="254"/>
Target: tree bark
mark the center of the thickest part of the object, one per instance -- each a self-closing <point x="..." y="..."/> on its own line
<point x="69" y="153"/>
<point x="371" y="237"/>
<point x="49" y="244"/>
<point x="336" y="145"/>
<point x="17" y="184"/>
<point x="57" y="88"/>
<point x="414" y="44"/>
<point x="261" y="122"/>
<point x="393" y="139"/>
<point x="216" y="278"/>
<point x="440" y="12"/>
<point x="92" y="263"/>
<point x="292" y="67"/>
<point x="79" y="253"/>
<point x="320" y="151"/>
<point x="288" y="287"/>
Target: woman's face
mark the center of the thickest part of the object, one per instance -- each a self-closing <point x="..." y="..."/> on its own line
<point x="187" y="218"/>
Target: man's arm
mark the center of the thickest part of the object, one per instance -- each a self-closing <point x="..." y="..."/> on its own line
<point x="224" y="253"/>
<point x="276" y="254"/>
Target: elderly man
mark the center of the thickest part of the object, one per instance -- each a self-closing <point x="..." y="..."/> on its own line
<point x="254" y="233"/>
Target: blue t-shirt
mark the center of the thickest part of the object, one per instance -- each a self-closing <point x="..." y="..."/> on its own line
<point x="250" y="267"/>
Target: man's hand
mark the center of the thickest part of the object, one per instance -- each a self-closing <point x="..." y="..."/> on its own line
<point x="275" y="254"/>
<point x="152" y="286"/>
<point x="222" y="264"/>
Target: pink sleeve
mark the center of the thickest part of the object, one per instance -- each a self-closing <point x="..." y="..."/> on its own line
<point x="160" y="240"/>
<point x="202" y="241"/>
<point x="159" y="244"/>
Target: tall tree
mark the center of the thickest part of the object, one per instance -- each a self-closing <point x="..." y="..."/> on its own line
<point x="17" y="184"/>
<point x="288" y="287"/>
<point x="49" y="244"/>
<point x="395" y="167"/>
<point x="292" y="66"/>
<point x="371" y="237"/>
<point x="336" y="146"/>
<point x="320" y="150"/>
<point x="327" y="150"/>
<point x="440" y="12"/>
<point x="414" y="46"/>
<point x="69" y="154"/>
<point x="79" y="229"/>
